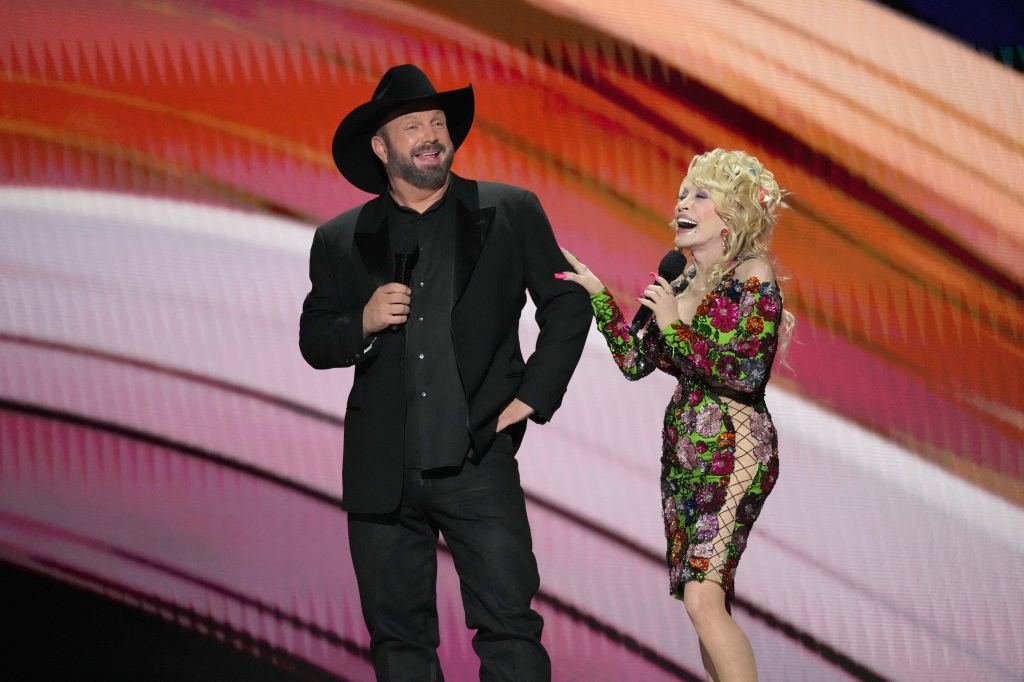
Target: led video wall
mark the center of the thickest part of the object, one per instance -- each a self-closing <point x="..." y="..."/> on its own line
<point x="163" y="166"/>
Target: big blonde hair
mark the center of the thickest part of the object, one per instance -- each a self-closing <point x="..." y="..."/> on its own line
<point x="748" y="199"/>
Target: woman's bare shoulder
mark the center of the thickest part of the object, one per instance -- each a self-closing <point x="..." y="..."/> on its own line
<point x="758" y="267"/>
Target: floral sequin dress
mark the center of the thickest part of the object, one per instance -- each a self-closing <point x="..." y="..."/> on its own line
<point x="719" y="447"/>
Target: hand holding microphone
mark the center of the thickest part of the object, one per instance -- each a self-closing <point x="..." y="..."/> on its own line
<point x="671" y="266"/>
<point x="406" y="251"/>
<point x="389" y="305"/>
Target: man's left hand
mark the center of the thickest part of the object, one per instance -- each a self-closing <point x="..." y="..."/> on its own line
<point x="516" y="411"/>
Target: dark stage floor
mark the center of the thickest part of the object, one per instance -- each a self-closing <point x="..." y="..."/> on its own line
<point x="52" y="631"/>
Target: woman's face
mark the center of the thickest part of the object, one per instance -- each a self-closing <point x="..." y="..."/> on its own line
<point x="698" y="225"/>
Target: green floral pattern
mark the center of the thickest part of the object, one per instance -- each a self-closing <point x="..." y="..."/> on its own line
<point x="713" y="484"/>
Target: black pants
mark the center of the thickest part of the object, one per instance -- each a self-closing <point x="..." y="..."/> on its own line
<point x="482" y="514"/>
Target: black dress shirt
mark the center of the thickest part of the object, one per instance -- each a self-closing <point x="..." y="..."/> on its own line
<point x="437" y="415"/>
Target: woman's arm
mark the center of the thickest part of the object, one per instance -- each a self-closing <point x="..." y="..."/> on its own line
<point x="628" y="351"/>
<point x="634" y="361"/>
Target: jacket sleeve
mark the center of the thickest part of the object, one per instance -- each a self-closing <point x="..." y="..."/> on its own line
<point x="563" y="314"/>
<point x="331" y="325"/>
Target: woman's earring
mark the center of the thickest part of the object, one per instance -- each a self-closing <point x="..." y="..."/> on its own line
<point x="725" y="241"/>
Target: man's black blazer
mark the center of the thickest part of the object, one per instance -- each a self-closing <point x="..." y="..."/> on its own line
<point x="505" y="247"/>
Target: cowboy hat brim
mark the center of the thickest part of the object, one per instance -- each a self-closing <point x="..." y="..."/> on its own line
<point x="351" y="148"/>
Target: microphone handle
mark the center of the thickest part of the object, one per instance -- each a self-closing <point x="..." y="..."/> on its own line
<point x="403" y="268"/>
<point x="403" y="274"/>
<point x="640" y="320"/>
<point x="671" y="266"/>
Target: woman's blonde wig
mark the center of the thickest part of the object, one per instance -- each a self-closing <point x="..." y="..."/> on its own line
<point x="746" y="196"/>
<point x="748" y="199"/>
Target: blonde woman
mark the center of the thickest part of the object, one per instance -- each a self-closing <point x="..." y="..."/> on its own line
<point x="717" y="328"/>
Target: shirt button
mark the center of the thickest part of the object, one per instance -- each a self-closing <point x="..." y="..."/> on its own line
<point x="421" y="356"/>
<point x="421" y="285"/>
<point x="421" y="319"/>
<point x="423" y="394"/>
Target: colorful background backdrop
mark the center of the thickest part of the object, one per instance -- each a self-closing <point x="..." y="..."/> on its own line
<point x="165" y="452"/>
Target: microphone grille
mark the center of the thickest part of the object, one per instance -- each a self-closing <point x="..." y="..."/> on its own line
<point x="672" y="265"/>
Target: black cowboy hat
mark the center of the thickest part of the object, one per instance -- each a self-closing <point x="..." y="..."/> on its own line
<point x="401" y="86"/>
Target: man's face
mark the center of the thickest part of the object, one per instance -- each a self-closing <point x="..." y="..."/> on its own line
<point x="415" y="147"/>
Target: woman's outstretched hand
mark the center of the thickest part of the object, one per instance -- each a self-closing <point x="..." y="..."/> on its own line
<point x="581" y="274"/>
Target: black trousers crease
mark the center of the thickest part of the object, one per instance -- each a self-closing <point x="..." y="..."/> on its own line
<point x="481" y="512"/>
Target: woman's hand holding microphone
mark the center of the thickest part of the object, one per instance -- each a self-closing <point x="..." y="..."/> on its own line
<point x="660" y="298"/>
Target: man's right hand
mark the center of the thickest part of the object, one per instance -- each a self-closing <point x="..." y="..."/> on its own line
<point x="389" y="305"/>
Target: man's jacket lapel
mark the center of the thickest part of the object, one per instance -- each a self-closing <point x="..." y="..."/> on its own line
<point x="372" y="242"/>
<point x="473" y="225"/>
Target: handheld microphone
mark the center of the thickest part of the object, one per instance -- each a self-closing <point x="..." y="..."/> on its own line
<point x="406" y="251"/>
<point x="671" y="266"/>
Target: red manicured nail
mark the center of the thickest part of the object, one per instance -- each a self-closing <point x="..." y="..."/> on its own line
<point x="559" y="275"/>
<point x="639" y="298"/>
<point x="654" y="275"/>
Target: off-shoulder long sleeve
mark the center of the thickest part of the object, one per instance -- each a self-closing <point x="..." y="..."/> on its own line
<point x="733" y="336"/>
<point x="636" y="358"/>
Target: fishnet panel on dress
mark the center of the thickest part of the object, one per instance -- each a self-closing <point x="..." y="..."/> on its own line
<point x="744" y="470"/>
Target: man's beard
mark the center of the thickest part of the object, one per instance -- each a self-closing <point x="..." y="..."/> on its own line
<point x="432" y="177"/>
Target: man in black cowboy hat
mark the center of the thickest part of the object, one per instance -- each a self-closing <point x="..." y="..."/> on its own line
<point x="441" y="393"/>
